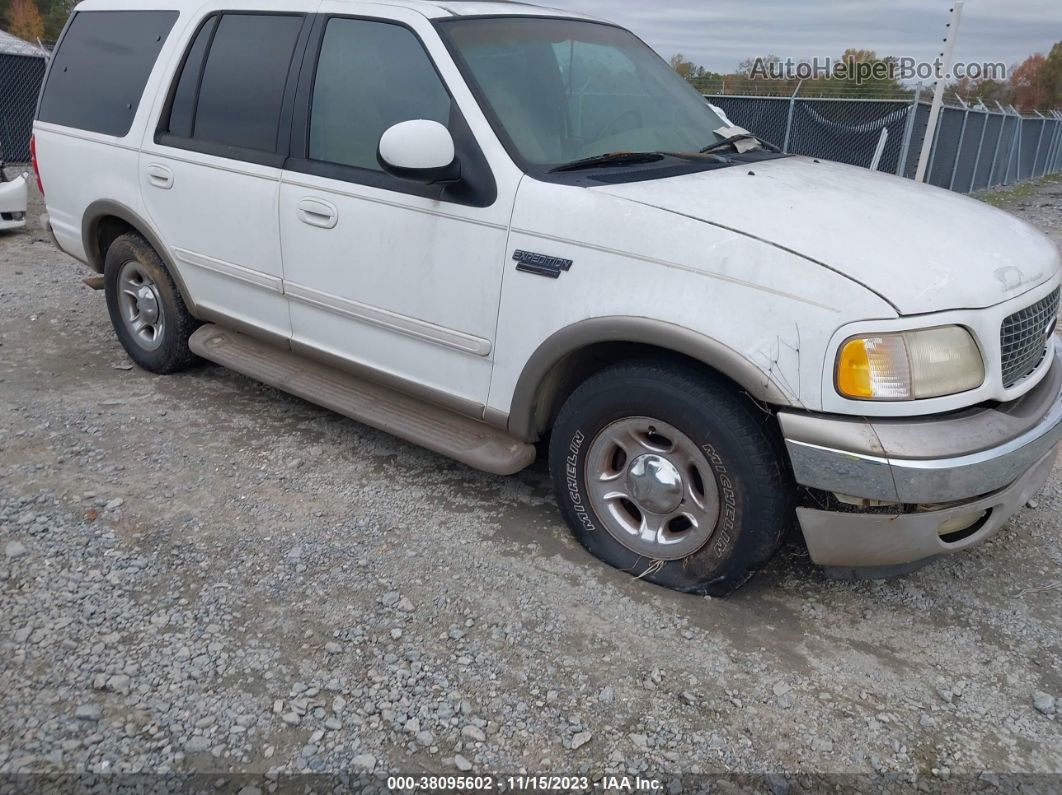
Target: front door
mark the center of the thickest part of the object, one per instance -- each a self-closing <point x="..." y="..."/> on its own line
<point x="382" y="273"/>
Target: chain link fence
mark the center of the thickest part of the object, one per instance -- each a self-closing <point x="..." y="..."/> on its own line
<point x="21" y="72"/>
<point x="975" y="147"/>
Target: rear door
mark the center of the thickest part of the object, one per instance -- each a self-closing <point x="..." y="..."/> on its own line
<point x="210" y="170"/>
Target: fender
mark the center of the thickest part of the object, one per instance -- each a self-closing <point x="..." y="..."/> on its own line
<point x="104" y="208"/>
<point x="639" y="330"/>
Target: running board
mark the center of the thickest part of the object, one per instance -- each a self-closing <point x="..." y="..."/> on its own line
<point x="462" y="438"/>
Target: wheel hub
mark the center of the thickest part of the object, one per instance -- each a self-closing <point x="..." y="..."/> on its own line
<point x="655" y="484"/>
<point x="147" y="304"/>
<point x="652" y="488"/>
<point x="140" y="306"/>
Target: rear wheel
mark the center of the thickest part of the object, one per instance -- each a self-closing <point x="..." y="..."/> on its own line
<point x="665" y="472"/>
<point x="146" y="309"/>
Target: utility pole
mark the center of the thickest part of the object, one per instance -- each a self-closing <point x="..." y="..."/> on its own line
<point x="947" y="57"/>
<point x="789" y="118"/>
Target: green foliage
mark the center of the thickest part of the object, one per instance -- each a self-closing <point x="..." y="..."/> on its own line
<point x="1005" y="197"/>
<point x="1036" y="84"/>
<point x="688" y="69"/>
<point x="53" y="14"/>
<point x="1053" y="74"/>
<point x="876" y="81"/>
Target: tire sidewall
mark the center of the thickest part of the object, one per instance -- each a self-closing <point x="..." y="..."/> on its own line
<point x="125" y="250"/>
<point x="736" y="545"/>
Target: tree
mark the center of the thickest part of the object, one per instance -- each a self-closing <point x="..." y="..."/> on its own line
<point x="1034" y="85"/>
<point x="24" y="20"/>
<point x="1053" y="75"/>
<point x="857" y="74"/>
<point x="1031" y="82"/>
<point x="749" y="65"/>
<point x="760" y="75"/>
<point x="702" y="79"/>
<point x="688" y="69"/>
<point x="865" y="75"/>
<point x="988" y="92"/>
<point x="53" y="14"/>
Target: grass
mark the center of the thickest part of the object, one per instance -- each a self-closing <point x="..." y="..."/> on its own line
<point x="1001" y="197"/>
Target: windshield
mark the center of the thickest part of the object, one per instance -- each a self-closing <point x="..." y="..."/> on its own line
<point x="561" y="90"/>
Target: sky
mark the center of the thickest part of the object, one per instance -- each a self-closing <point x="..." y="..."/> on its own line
<point x="719" y="34"/>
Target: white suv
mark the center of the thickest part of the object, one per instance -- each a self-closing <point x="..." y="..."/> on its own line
<point x="480" y="226"/>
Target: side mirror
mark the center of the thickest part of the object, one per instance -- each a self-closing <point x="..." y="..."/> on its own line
<point x="419" y="150"/>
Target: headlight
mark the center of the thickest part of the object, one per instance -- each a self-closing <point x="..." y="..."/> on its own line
<point x="909" y="365"/>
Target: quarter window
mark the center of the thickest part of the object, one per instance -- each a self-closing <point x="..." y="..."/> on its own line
<point x="99" y="71"/>
<point x="370" y="76"/>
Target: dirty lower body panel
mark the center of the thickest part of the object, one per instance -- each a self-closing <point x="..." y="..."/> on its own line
<point x="435" y="428"/>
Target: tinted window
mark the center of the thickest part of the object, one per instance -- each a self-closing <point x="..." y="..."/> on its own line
<point x="370" y="76"/>
<point x="183" y="108"/>
<point x="243" y="81"/>
<point x="234" y="97"/>
<point x="98" y="74"/>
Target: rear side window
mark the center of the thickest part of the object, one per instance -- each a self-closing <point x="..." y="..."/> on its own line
<point x="231" y="89"/>
<point x="100" y="68"/>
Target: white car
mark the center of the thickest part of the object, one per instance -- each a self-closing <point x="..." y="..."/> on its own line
<point x="13" y="198"/>
<point x="493" y="229"/>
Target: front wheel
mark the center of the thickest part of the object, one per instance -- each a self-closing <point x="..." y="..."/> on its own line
<point x="665" y="472"/>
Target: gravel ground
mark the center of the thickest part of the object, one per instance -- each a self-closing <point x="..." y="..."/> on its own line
<point x="201" y="574"/>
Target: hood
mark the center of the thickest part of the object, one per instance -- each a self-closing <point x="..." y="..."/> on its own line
<point x="922" y="249"/>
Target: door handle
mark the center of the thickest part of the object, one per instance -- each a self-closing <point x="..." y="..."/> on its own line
<point x="159" y="176"/>
<point x="317" y="212"/>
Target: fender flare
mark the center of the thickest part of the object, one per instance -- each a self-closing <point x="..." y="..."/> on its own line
<point x="637" y="330"/>
<point x="105" y="208"/>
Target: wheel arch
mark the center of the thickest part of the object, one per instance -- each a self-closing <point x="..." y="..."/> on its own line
<point x="106" y="220"/>
<point x="572" y="354"/>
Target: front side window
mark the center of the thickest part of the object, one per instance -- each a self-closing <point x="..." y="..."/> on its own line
<point x="561" y="90"/>
<point x="370" y="76"/>
<point x="231" y="88"/>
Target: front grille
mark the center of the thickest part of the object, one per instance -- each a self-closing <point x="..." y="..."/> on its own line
<point x="1024" y="337"/>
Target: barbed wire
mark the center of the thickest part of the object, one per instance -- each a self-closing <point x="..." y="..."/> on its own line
<point x="974" y="147"/>
<point x="747" y="87"/>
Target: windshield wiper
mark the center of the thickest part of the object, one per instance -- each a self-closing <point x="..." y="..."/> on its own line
<point x="734" y="139"/>
<point x="610" y="159"/>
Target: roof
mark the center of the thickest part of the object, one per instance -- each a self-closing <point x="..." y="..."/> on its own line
<point x="432" y="9"/>
<point x="10" y="45"/>
<point x="465" y="8"/>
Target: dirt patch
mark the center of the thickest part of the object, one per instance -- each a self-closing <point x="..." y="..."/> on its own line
<point x="201" y="573"/>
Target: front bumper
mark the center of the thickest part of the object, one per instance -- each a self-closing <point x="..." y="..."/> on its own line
<point x="13" y="199"/>
<point x="983" y="463"/>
